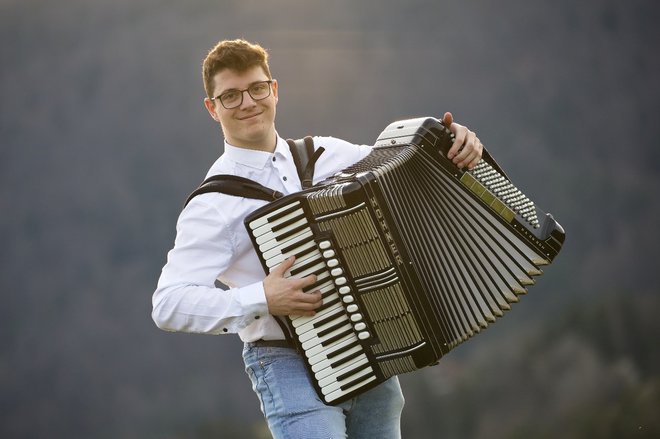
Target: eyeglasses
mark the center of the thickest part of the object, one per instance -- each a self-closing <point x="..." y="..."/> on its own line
<point x="234" y="98"/>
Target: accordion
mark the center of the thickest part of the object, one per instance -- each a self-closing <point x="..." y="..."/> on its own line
<point x="413" y="256"/>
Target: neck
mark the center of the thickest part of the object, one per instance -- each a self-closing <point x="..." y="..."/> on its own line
<point x="267" y="145"/>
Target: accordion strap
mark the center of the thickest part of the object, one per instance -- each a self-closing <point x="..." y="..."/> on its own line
<point x="234" y="185"/>
<point x="305" y="158"/>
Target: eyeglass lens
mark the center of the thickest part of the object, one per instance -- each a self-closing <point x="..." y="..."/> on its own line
<point x="234" y="98"/>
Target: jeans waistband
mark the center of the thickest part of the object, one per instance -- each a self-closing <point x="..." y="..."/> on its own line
<point x="271" y="344"/>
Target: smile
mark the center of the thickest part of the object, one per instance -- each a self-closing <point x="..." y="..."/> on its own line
<point x="250" y="116"/>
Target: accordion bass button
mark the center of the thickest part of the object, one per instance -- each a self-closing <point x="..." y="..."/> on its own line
<point x="336" y="272"/>
<point x="356" y="317"/>
<point x="340" y="281"/>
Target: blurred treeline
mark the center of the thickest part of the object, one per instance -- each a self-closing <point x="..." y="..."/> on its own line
<point x="103" y="134"/>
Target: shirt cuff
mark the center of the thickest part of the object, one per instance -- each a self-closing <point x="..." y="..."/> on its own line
<point x="253" y="300"/>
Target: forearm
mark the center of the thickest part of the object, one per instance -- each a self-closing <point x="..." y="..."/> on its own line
<point x="207" y="310"/>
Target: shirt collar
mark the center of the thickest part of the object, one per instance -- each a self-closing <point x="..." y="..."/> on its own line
<point x="248" y="157"/>
<point x="257" y="159"/>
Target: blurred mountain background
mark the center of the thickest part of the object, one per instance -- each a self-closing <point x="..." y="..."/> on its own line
<point x="103" y="134"/>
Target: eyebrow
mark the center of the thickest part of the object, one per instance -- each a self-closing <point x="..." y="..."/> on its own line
<point x="249" y="85"/>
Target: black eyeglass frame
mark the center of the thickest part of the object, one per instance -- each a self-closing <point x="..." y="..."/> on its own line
<point x="240" y="102"/>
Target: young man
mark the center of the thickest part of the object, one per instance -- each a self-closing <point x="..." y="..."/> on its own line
<point x="211" y="243"/>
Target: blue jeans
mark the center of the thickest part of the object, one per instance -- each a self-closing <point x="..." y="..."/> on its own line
<point x="293" y="410"/>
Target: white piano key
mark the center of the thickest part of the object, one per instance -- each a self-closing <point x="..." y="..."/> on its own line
<point x="302" y="244"/>
<point x="330" y="382"/>
<point x="339" y="393"/>
<point x="336" y="310"/>
<point x="300" y="214"/>
<point x="263" y="220"/>
<point x="298" y="321"/>
<point x="323" y="355"/>
<point x="320" y="348"/>
<point x="279" y="258"/>
<point x="324" y="368"/>
<point x="308" y="330"/>
<point x="320" y="265"/>
<point x="318" y="340"/>
<point x="311" y="333"/>
<point x="268" y="235"/>
<point x="299" y="236"/>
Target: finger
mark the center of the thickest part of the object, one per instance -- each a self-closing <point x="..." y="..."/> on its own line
<point x="474" y="157"/>
<point x="283" y="266"/>
<point x="310" y="300"/>
<point x="307" y="304"/>
<point x="474" y="162"/>
<point x="300" y="283"/>
<point x="460" y="133"/>
<point x="469" y="147"/>
<point x="447" y="119"/>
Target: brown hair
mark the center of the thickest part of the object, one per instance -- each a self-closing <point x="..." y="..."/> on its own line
<point x="237" y="55"/>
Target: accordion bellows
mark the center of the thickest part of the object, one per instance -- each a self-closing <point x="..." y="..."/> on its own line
<point x="413" y="256"/>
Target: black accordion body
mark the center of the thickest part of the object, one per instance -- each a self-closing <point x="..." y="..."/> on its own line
<point x="412" y="255"/>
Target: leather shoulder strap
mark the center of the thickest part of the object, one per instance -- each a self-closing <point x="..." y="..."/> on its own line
<point x="305" y="157"/>
<point x="236" y="186"/>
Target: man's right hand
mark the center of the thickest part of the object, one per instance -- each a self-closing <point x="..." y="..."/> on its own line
<point x="285" y="296"/>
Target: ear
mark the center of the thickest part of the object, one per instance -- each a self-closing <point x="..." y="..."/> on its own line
<point x="274" y="89"/>
<point x="210" y="107"/>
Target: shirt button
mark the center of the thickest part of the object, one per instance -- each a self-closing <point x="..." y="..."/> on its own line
<point x="274" y="159"/>
<point x="225" y="330"/>
<point x="256" y="317"/>
<point x="284" y="178"/>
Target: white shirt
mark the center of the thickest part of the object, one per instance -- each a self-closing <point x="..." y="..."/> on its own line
<point x="212" y="243"/>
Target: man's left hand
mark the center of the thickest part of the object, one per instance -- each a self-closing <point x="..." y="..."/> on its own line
<point x="467" y="149"/>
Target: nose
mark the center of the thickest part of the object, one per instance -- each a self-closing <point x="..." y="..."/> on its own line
<point x="247" y="100"/>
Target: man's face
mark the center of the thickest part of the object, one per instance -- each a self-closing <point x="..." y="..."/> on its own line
<point x="251" y="124"/>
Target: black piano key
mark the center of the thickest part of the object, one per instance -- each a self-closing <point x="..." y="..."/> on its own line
<point x="342" y="349"/>
<point x="285" y="212"/>
<point x="346" y="359"/>
<point x="328" y="318"/>
<point x="315" y="285"/>
<point x="348" y="374"/>
<point x="328" y="305"/>
<point x="339" y="336"/>
<point x="290" y="247"/>
<point x="330" y="329"/>
<point x="328" y="293"/>
<point x="287" y="223"/>
<point x="355" y="382"/>
<point x="304" y="252"/>
<point x="291" y="232"/>
<point x="306" y="266"/>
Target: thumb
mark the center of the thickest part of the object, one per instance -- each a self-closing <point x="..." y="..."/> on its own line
<point x="284" y="266"/>
<point x="447" y="119"/>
